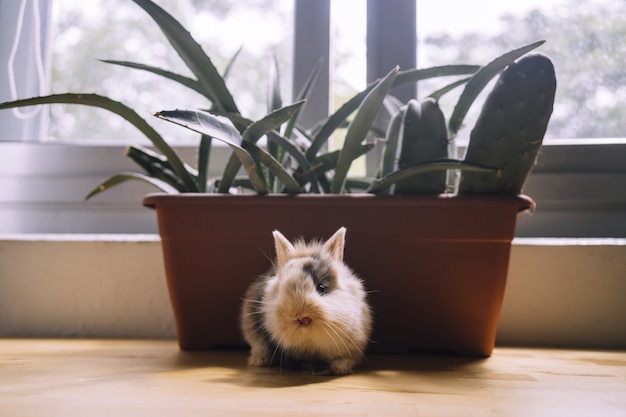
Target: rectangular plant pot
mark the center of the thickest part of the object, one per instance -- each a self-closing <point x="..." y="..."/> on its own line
<point x="435" y="266"/>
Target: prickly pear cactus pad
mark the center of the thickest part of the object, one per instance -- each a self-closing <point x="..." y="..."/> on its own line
<point x="510" y="128"/>
<point x="424" y="138"/>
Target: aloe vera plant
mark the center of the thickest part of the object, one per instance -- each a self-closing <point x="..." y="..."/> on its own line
<point x="276" y="154"/>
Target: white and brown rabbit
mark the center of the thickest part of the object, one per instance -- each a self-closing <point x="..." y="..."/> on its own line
<point x="309" y="311"/>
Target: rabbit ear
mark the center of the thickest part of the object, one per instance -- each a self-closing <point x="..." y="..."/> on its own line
<point x="284" y="248"/>
<point x="335" y="244"/>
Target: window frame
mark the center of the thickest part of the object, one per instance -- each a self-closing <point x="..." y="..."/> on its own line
<point x="44" y="184"/>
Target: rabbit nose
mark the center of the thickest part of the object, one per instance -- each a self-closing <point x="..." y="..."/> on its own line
<point x="304" y="321"/>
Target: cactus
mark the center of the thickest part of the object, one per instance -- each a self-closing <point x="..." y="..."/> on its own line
<point x="424" y="138"/>
<point x="510" y="129"/>
<point x="415" y="160"/>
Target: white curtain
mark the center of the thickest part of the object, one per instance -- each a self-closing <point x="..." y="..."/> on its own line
<point x="24" y="58"/>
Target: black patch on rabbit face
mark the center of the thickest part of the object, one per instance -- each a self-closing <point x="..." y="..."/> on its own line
<point x="322" y="274"/>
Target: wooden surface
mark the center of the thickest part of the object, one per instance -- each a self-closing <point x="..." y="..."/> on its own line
<point x="153" y="378"/>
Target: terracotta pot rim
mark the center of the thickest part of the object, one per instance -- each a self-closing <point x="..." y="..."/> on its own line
<point x="523" y="202"/>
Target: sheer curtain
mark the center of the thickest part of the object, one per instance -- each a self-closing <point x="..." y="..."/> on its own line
<point x="24" y="59"/>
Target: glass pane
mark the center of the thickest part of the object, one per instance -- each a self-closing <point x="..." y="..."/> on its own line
<point x="86" y="31"/>
<point x="348" y="55"/>
<point x="585" y="39"/>
<point x="349" y="49"/>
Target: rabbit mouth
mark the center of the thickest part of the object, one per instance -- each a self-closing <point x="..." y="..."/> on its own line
<point x="304" y="321"/>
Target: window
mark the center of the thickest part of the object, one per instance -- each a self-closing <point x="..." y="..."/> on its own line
<point x="577" y="183"/>
<point x="83" y="35"/>
<point x="584" y="41"/>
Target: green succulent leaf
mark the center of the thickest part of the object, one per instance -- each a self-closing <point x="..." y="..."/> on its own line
<point x="231" y="63"/>
<point x="412" y="76"/>
<point x="271" y="122"/>
<point x="155" y="165"/>
<point x="123" y="111"/>
<point x="274" y="99"/>
<point x="204" y="153"/>
<point x="128" y="176"/>
<point x="220" y="129"/>
<point x="391" y="153"/>
<point x="329" y="160"/>
<point x="291" y="185"/>
<point x="252" y="133"/>
<point x="304" y="170"/>
<point x="337" y="119"/>
<point x="239" y="121"/>
<point x="181" y="79"/>
<point x="192" y="54"/>
<point x="359" y="128"/>
<point x="358" y="183"/>
<point x="387" y="181"/>
<point x="436" y="95"/>
<point x="230" y="173"/>
<point x="205" y="123"/>
<point x="233" y="165"/>
<point x="304" y="94"/>
<point x="480" y="79"/>
<point x="333" y="122"/>
<point x="238" y="182"/>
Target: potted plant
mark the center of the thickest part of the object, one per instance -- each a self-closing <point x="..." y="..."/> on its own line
<point x="431" y="244"/>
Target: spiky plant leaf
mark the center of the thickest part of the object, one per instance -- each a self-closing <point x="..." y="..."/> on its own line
<point x="204" y="153"/>
<point x="275" y="167"/>
<point x="328" y="161"/>
<point x="333" y="122"/>
<point x="193" y="55"/>
<point x="480" y="79"/>
<point x="436" y="95"/>
<point x="181" y="79"/>
<point x="210" y="125"/>
<point x="412" y="76"/>
<point x="337" y="119"/>
<point x="121" y="177"/>
<point x="390" y="153"/>
<point x="274" y="98"/>
<point x="123" y="111"/>
<point x="384" y="183"/>
<point x="358" y="129"/>
<point x="270" y="122"/>
<point x="253" y="132"/>
<point x="304" y="168"/>
<point x="304" y="94"/>
<point x="231" y="63"/>
<point x="155" y="165"/>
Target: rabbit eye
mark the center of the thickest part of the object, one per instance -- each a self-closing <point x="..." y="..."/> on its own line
<point x="321" y="289"/>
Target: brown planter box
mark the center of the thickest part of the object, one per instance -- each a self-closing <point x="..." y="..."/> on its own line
<point x="436" y="266"/>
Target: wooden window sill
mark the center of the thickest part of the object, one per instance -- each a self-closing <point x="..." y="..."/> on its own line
<point x="60" y="377"/>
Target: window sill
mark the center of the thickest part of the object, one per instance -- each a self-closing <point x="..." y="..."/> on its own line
<point x="560" y="292"/>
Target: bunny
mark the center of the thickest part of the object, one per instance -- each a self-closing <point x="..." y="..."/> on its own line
<point x="309" y="311"/>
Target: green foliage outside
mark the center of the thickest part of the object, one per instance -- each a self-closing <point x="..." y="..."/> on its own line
<point x="86" y="32"/>
<point x="584" y="39"/>
<point x="587" y="43"/>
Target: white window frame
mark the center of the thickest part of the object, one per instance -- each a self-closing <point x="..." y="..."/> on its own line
<point x="578" y="185"/>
